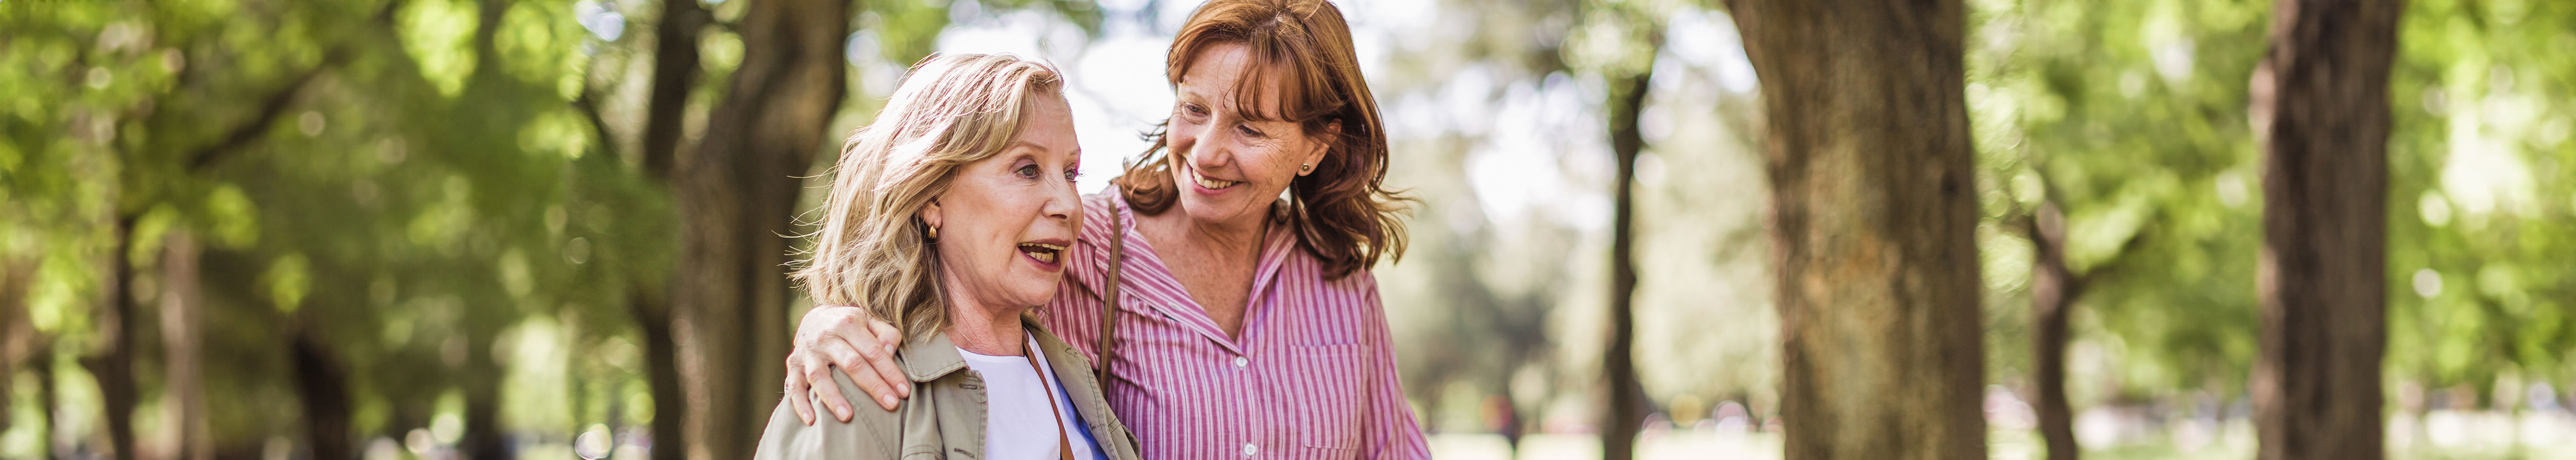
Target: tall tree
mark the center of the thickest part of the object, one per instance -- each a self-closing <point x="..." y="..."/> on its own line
<point x="736" y="195"/>
<point x="1627" y="405"/>
<point x="2320" y="109"/>
<point x="183" y="385"/>
<point x="1872" y="225"/>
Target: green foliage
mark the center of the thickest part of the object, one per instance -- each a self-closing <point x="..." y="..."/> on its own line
<point x="2480" y="204"/>
<point x="2131" y="117"/>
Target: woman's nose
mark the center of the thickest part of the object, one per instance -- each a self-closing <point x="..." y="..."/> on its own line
<point x="1208" y="150"/>
<point x="1063" y="202"/>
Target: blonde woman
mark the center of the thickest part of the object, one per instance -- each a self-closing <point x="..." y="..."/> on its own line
<point x="949" y="216"/>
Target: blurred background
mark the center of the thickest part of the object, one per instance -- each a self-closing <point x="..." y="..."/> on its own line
<point x="544" y="229"/>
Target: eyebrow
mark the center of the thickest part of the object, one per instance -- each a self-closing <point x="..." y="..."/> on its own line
<point x="1024" y="143"/>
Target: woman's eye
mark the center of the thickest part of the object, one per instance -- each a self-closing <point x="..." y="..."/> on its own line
<point x="1194" y="109"/>
<point x="1248" y="131"/>
<point x="1028" y="171"/>
<point x="1071" y="174"/>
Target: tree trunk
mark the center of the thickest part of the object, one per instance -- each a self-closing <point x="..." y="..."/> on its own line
<point x="114" y="366"/>
<point x="2320" y="110"/>
<point x="1627" y="405"/>
<point x="736" y="196"/>
<point x="49" y="394"/>
<point x="662" y="373"/>
<point x="323" y="386"/>
<point x="17" y="337"/>
<point x="1872" y="224"/>
<point x="2053" y="290"/>
<point x="184" y="393"/>
<point x="675" y="74"/>
<point x="481" y="382"/>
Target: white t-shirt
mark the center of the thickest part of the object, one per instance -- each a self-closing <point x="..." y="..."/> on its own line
<point x="1016" y="409"/>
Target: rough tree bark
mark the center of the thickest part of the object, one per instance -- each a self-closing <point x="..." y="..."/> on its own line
<point x="2320" y="112"/>
<point x="736" y="195"/>
<point x="1627" y="402"/>
<point x="1872" y="224"/>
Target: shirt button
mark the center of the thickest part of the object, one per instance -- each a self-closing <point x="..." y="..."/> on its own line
<point x="1240" y="362"/>
<point x="1248" y="449"/>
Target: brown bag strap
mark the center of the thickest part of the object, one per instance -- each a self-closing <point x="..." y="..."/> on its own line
<point x="1063" y="445"/>
<point x="1108" y="349"/>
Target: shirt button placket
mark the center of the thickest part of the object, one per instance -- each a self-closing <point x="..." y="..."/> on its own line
<point x="1249" y="449"/>
<point x="1240" y="362"/>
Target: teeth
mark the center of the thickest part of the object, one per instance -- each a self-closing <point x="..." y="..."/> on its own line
<point x="1041" y="251"/>
<point x="1211" y="183"/>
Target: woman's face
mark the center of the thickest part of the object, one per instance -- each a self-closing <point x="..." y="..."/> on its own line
<point x="1005" y="221"/>
<point x="1230" y="168"/>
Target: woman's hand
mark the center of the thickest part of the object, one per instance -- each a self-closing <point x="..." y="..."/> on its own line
<point x="860" y="345"/>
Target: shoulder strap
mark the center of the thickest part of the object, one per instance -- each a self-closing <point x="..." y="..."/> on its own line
<point x="1063" y="444"/>
<point x="1108" y="349"/>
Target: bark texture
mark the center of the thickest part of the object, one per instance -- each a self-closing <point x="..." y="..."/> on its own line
<point x="736" y="195"/>
<point x="1872" y="225"/>
<point x="2320" y="110"/>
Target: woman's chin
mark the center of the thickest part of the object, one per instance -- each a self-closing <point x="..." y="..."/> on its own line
<point x="1212" y="209"/>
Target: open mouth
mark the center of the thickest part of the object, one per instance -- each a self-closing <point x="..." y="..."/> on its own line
<point x="1211" y="184"/>
<point x="1042" y="252"/>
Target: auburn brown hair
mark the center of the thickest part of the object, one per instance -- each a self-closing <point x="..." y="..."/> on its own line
<point x="1342" y="212"/>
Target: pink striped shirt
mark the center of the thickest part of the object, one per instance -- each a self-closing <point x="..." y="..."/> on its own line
<point x="1312" y="377"/>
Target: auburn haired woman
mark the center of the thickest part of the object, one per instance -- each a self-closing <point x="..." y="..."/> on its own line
<point x="1245" y="325"/>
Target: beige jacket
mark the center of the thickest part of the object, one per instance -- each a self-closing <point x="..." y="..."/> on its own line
<point x="945" y="416"/>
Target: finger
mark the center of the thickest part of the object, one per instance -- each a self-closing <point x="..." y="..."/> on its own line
<point x="880" y="387"/>
<point x="831" y="395"/>
<point x="892" y="339"/>
<point x="818" y="374"/>
<point x="796" y="390"/>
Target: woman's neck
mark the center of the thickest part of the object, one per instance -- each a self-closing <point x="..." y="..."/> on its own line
<point x="1228" y="240"/>
<point x="982" y="328"/>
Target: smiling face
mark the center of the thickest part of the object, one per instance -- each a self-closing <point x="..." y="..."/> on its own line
<point x="1230" y="164"/>
<point x="1005" y="221"/>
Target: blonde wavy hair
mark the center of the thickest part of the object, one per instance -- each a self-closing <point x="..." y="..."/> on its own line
<point x="873" y="249"/>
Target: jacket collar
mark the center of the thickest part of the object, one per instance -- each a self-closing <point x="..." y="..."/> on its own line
<point x="930" y="357"/>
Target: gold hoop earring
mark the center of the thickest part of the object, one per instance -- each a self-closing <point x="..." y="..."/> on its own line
<point x="934" y="233"/>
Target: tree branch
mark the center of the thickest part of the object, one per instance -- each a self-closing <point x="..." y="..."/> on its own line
<point x="272" y="108"/>
<point x="275" y="105"/>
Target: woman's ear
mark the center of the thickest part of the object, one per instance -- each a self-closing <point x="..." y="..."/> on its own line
<point x="930" y="216"/>
<point x="1319" y="145"/>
